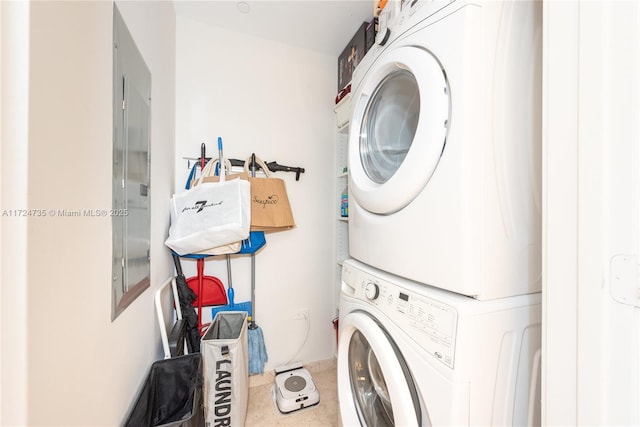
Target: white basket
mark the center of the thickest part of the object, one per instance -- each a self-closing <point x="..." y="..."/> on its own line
<point x="343" y="111"/>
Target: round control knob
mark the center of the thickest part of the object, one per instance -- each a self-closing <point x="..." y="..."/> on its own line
<point x="371" y="291"/>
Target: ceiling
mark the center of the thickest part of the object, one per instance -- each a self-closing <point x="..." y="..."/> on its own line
<point x="324" y="26"/>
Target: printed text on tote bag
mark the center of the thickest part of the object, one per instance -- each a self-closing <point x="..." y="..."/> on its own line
<point x="200" y="205"/>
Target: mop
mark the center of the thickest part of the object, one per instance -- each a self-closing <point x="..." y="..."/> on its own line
<point x="257" y="350"/>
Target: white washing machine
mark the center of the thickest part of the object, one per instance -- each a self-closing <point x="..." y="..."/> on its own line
<point x="445" y="148"/>
<point x="413" y="355"/>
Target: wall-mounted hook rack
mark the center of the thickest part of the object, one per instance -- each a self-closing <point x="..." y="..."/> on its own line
<point x="273" y="166"/>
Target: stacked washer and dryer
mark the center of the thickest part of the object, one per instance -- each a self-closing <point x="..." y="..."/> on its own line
<point x="440" y="309"/>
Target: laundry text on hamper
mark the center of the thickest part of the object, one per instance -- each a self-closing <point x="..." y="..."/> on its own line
<point x="223" y="393"/>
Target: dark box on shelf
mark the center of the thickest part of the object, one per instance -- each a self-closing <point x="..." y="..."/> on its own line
<point x="353" y="53"/>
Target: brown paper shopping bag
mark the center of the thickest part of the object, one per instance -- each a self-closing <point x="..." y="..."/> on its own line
<point x="270" y="207"/>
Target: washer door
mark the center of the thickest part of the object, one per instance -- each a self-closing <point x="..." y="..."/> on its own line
<point x="375" y="386"/>
<point x="398" y="129"/>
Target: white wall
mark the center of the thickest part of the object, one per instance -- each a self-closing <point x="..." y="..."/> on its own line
<point x="591" y="340"/>
<point x="80" y="368"/>
<point x="14" y="63"/>
<point x="274" y="100"/>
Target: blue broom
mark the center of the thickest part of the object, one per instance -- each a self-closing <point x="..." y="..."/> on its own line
<point x="257" y="350"/>
<point x="254" y="242"/>
<point x="231" y="306"/>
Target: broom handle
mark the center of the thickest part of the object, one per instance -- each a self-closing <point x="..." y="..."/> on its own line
<point x="222" y="172"/>
<point x="252" y="325"/>
<point x="230" y="291"/>
<point x="176" y="262"/>
<point x="253" y="292"/>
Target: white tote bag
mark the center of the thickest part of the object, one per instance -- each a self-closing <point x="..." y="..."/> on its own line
<point x="209" y="175"/>
<point x="209" y="215"/>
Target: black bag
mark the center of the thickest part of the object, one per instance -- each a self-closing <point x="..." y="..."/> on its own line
<point x="171" y="395"/>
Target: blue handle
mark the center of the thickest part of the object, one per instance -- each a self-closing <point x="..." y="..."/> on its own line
<point x="231" y="294"/>
<point x="192" y="175"/>
<point x="219" y="143"/>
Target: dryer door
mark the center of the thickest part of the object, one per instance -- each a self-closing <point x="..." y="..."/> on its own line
<point x="375" y="386"/>
<point x="398" y="129"/>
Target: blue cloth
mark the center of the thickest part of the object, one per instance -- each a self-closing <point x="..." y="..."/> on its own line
<point x="257" y="351"/>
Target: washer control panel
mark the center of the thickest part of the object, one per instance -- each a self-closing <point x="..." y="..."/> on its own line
<point x="371" y="290"/>
<point x="430" y="323"/>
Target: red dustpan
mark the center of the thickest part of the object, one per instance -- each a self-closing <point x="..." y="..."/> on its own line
<point x="209" y="290"/>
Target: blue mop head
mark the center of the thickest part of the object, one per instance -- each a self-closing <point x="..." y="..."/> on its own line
<point x="257" y="350"/>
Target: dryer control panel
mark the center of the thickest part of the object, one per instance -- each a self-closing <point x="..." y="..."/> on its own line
<point x="411" y="12"/>
<point x="430" y="323"/>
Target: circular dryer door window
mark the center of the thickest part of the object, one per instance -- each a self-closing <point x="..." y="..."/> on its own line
<point x="381" y="391"/>
<point x="389" y="125"/>
<point x="398" y="130"/>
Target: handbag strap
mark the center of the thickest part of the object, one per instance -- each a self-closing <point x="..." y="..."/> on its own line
<point x="210" y="170"/>
<point x="261" y="163"/>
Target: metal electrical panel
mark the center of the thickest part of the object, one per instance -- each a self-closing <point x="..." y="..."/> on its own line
<point x="131" y="166"/>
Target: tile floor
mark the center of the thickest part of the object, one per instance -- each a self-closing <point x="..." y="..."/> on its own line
<point x="262" y="411"/>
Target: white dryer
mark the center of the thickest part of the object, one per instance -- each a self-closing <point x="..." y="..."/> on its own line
<point x="413" y="355"/>
<point x="445" y="148"/>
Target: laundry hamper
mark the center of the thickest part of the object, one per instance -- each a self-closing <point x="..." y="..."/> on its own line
<point x="225" y="356"/>
<point x="171" y="395"/>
